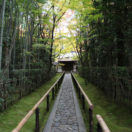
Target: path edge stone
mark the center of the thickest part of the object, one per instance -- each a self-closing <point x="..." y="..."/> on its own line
<point x="48" y="125"/>
<point x="80" y="120"/>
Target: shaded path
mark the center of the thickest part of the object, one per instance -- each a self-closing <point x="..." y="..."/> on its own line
<point x="66" y="115"/>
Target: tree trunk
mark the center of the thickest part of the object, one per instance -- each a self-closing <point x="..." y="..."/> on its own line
<point x="52" y="42"/>
<point x="1" y="34"/>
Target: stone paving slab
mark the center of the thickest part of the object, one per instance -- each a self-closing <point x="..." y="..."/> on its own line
<point x="66" y="115"/>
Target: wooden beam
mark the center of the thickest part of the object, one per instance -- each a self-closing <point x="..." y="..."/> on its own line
<point x="84" y="94"/>
<point x="102" y="123"/>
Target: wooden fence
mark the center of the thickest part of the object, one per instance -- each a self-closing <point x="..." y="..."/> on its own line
<point x="54" y="88"/>
<point x="101" y="125"/>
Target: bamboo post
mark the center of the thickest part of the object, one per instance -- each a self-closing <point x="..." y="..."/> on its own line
<point x="79" y="92"/>
<point x="83" y="102"/>
<point x="53" y="95"/>
<point x="37" y="127"/>
<point x="99" y="128"/>
<point x="76" y="86"/>
<point x="59" y="83"/>
<point x="56" y="87"/>
<point x="47" y="102"/>
<point x="90" y="120"/>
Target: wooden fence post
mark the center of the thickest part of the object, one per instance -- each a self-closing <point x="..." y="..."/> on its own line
<point x="47" y="102"/>
<point x="83" y="102"/>
<point x="90" y="120"/>
<point x="53" y="94"/>
<point x="37" y="129"/>
<point x="56" y="87"/>
<point x="79" y="92"/>
<point x="99" y="128"/>
<point x="77" y="87"/>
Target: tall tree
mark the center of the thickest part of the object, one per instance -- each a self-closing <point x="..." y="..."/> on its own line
<point x="1" y="32"/>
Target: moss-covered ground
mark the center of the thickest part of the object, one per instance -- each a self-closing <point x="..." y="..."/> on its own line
<point x="117" y="116"/>
<point x="13" y="115"/>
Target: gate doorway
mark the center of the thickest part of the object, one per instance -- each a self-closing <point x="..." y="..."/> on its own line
<point x="67" y="65"/>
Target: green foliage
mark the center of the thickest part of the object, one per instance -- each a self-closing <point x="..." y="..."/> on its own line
<point x="12" y="116"/>
<point x="40" y="46"/>
<point x="115" y="82"/>
<point x="103" y="43"/>
<point x="117" y="117"/>
<point x="27" y="51"/>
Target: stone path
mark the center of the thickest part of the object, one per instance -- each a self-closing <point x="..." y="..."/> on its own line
<point x="66" y="115"/>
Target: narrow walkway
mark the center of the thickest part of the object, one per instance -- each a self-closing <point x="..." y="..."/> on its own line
<point x="66" y="115"/>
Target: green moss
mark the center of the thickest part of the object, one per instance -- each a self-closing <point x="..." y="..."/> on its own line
<point x="13" y="115"/>
<point x="117" y="116"/>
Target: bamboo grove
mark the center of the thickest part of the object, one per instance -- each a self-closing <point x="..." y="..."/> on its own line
<point x="104" y="45"/>
<point x="26" y="45"/>
<point x="102" y="30"/>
